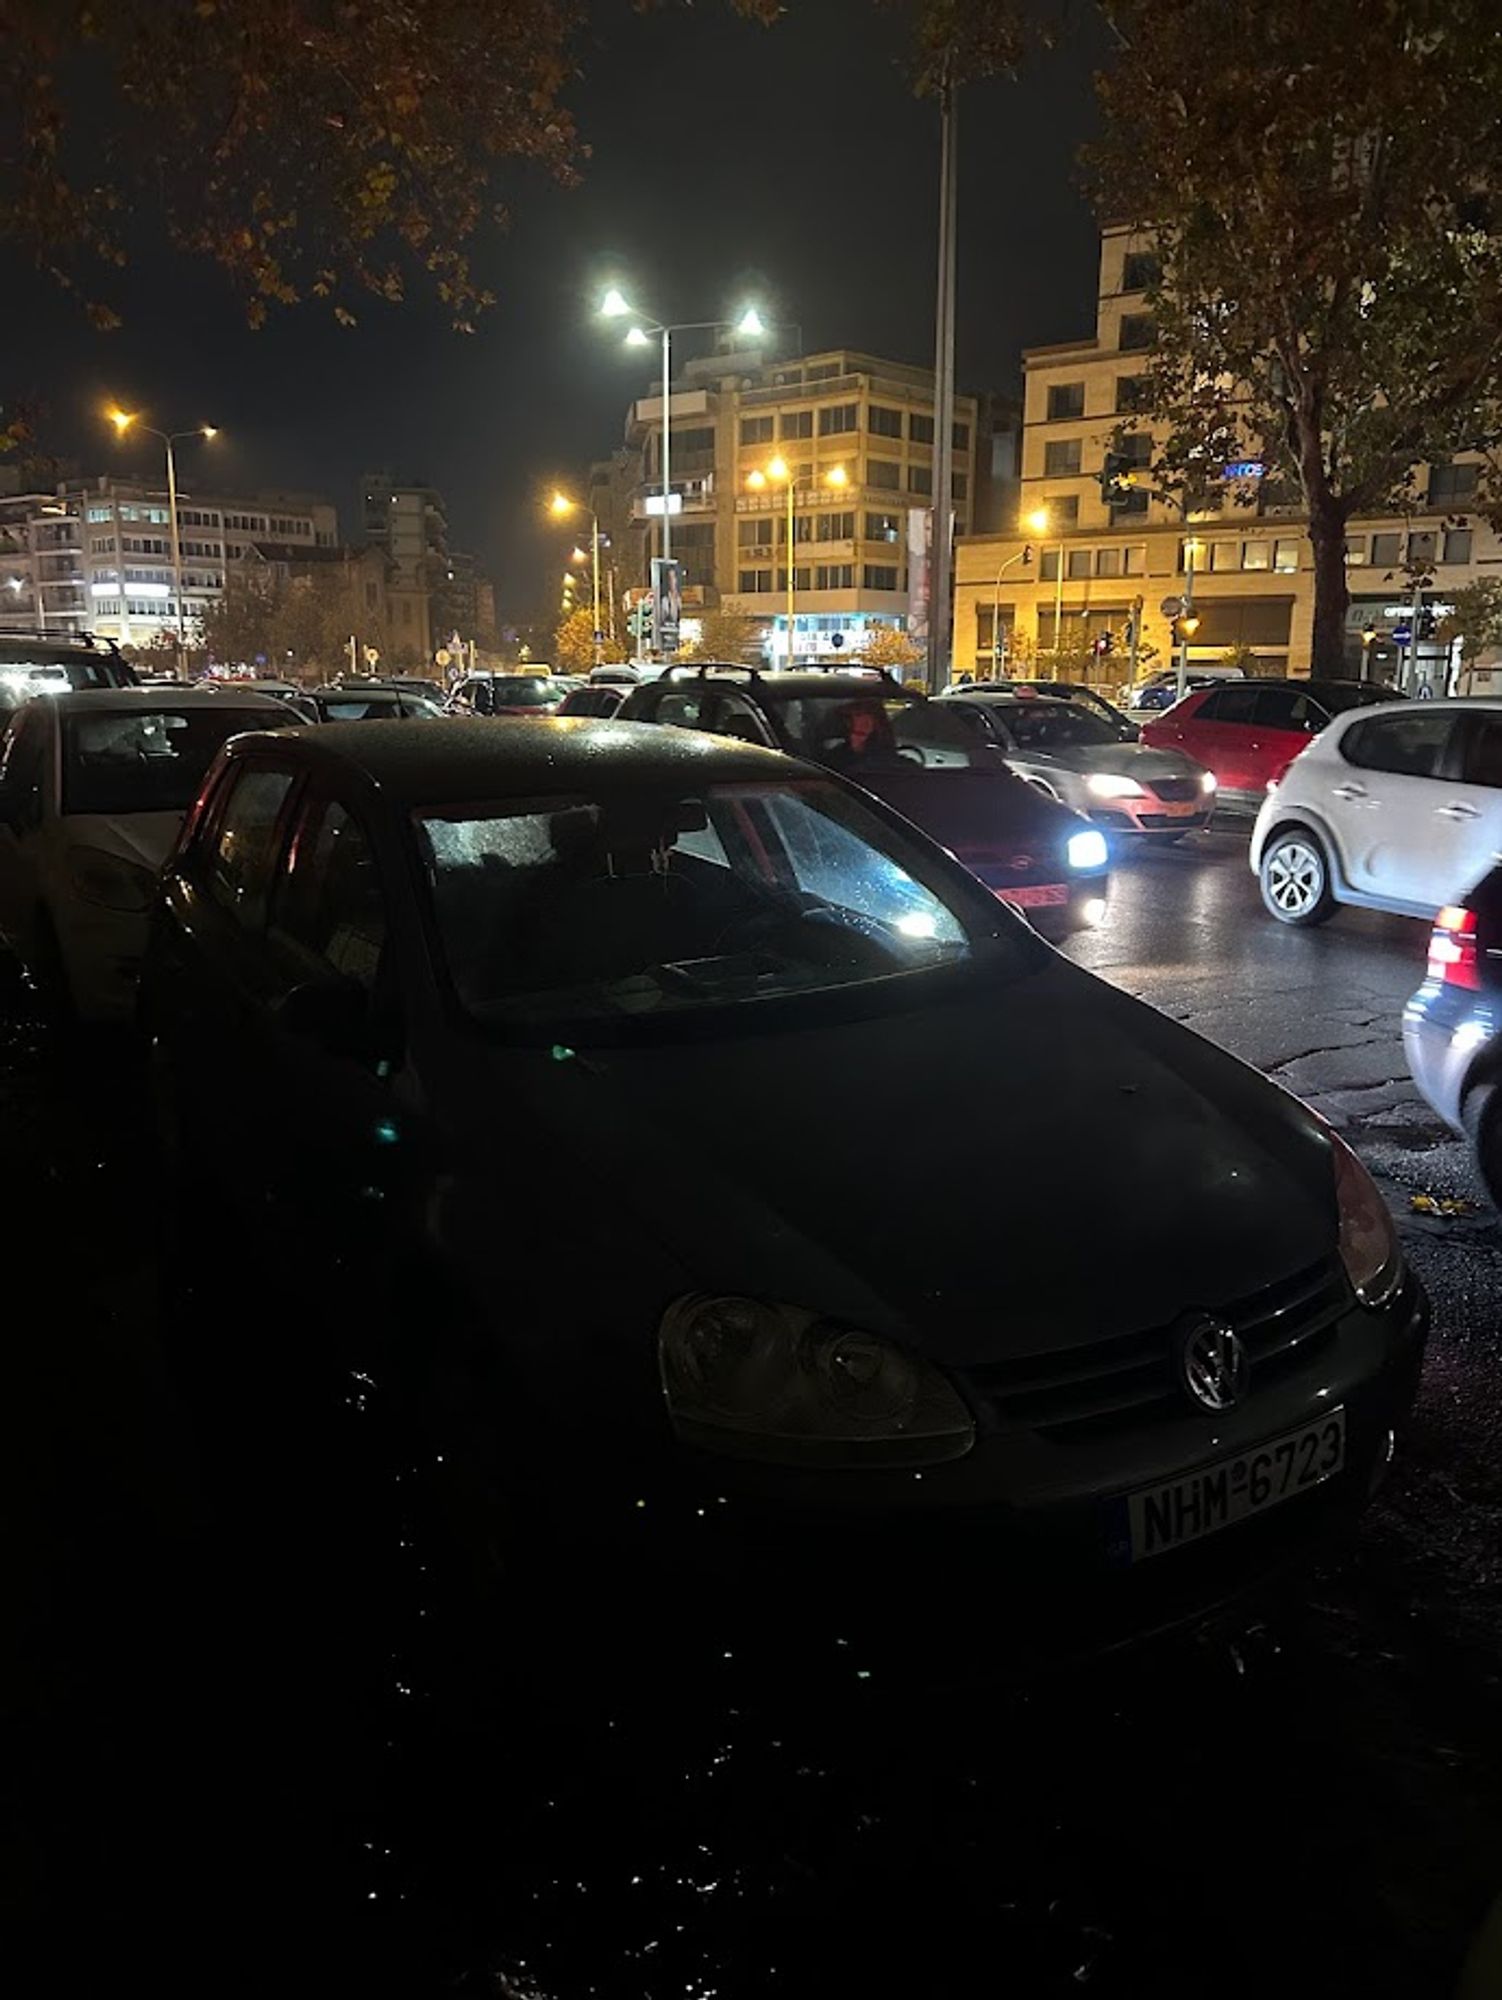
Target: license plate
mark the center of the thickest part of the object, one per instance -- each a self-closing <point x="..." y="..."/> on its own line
<point x="1201" y="1503"/>
<point x="1180" y="808"/>
<point x="1041" y="894"/>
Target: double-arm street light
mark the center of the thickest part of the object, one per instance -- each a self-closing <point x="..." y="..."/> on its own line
<point x="615" y="305"/>
<point x="560" y="507"/>
<point x="126" y="420"/>
<point x="777" y="472"/>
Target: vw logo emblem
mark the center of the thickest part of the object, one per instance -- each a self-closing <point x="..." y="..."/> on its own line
<point x="1213" y="1365"/>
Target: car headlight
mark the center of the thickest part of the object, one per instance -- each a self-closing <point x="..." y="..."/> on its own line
<point x="1087" y="849"/>
<point x="1208" y="781"/>
<point x="114" y="884"/>
<point x="1104" y="786"/>
<point x="1368" y="1241"/>
<point x="772" y="1382"/>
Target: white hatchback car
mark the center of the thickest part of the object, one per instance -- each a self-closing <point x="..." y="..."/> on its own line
<point x="93" y="788"/>
<point x="1392" y="808"/>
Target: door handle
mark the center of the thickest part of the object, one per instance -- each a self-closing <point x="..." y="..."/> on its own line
<point x="1349" y="792"/>
<point x="1457" y="809"/>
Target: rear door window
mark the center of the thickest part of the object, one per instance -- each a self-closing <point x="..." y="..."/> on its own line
<point x="1228" y="704"/>
<point x="328" y="902"/>
<point x="1411" y="744"/>
<point x="243" y="852"/>
<point x="1481" y="751"/>
<point x="1287" y="708"/>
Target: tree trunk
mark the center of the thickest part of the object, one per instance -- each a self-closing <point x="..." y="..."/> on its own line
<point x="1327" y="538"/>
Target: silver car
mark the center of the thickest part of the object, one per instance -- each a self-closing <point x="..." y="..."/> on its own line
<point x="1078" y="757"/>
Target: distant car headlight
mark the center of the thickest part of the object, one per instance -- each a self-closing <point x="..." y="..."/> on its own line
<point x="1208" y="781"/>
<point x="1104" y="786"/>
<point x="1086" y="850"/>
<point x="773" y="1382"/>
<point x="114" y="884"/>
<point x="1368" y="1241"/>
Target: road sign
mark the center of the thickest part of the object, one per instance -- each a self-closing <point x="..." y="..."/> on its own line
<point x="599" y="637"/>
<point x="372" y="655"/>
<point x="1172" y="607"/>
<point x="837" y="639"/>
<point x="1401" y="634"/>
<point x="443" y="657"/>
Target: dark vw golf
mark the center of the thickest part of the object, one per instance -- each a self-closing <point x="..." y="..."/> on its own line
<point x="423" y="984"/>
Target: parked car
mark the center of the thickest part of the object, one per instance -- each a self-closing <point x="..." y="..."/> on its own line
<point x="1076" y="691"/>
<point x="598" y="698"/>
<point x="375" y="704"/>
<point x="1081" y="759"/>
<point x="93" y="787"/>
<point x="1249" y="732"/>
<point x="507" y="694"/>
<point x="31" y="663"/>
<point x="413" y="684"/>
<point x="784" y="1026"/>
<point x="616" y="674"/>
<point x="297" y="700"/>
<point x="1398" y="808"/>
<point x="922" y="757"/>
<point x="1452" y="1027"/>
<point x="1161" y="690"/>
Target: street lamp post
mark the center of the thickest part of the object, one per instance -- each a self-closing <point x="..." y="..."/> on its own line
<point x="123" y="421"/>
<point x="561" y="506"/>
<point x="1024" y="556"/>
<point x="1038" y="521"/>
<point x="1188" y="622"/>
<point x="614" y="305"/>
<point x="777" y="473"/>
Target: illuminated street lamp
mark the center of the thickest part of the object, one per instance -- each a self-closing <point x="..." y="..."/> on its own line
<point x="777" y="472"/>
<point x="560" y="507"/>
<point x="615" y="305"/>
<point x="126" y="420"/>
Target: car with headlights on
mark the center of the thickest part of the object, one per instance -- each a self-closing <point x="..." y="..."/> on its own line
<point x="93" y="787"/>
<point x="922" y="757"/>
<point x="781" y="1027"/>
<point x="1080" y="758"/>
<point x="1452" y="1026"/>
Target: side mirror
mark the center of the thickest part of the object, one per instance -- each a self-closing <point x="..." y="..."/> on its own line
<point x="333" y="1014"/>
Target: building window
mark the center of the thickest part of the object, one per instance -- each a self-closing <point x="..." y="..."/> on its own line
<point x="1124" y="505"/>
<point x="920" y="479"/>
<point x="1422" y="549"/>
<point x="1063" y="510"/>
<point x="1136" y="332"/>
<point x="1108" y="562"/>
<point x="1080" y="564"/>
<point x="796" y="424"/>
<point x="824" y="372"/>
<point x="959" y="437"/>
<point x="882" y="422"/>
<point x="1066" y="399"/>
<point x="1223" y="555"/>
<point x="879" y="576"/>
<point x="920" y="429"/>
<point x="883" y="528"/>
<point x="756" y="430"/>
<point x="837" y="417"/>
<point x="883" y="472"/>
<point x="1355" y="548"/>
<point x="836" y="528"/>
<point x="1451" y="482"/>
<point x="1134" y="559"/>
<point x="959" y="485"/>
<point x="834" y="576"/>
<point x="1061" y="457"/>
<point x="1048" y="567"/>
<point x="1140" y="271"/>
<point x="1130" y="392"/>
<point x="1457" y="545"/>
<point x="1256" y="555"/>
<point x="800" y="578"/>
<point x="1286" y="555"/>
<point x="1387" y="550"/>
<point x="101" y="513"/>
<point x="803" y="530"/>
<point x="755" y="580"/>
<point x="754" y="534"/>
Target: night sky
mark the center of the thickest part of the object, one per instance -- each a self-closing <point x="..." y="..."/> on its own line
<point x="791" y="165"/>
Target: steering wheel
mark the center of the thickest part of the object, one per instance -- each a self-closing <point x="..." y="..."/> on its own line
<point x="766" y="926"/>
<point x="911" y="754"/>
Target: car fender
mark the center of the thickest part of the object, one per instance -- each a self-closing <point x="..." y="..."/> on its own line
<point x="1313" y="821"/>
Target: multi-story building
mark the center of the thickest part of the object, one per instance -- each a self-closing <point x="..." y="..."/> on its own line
<point x="857" y="434"/>
<point x="1102" y="555"/>
<point x="97" y="556"/>
<point x="408" y="522"/>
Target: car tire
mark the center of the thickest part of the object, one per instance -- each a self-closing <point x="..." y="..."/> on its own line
<point x="49" y="972"/>
<point x="1295" y="878"/>
<point x="1481" y="1115"/>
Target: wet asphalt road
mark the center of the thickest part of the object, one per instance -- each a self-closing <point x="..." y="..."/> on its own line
<point x="252" y="1747"/>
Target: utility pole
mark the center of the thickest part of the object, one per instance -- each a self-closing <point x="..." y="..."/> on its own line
<point x="1415" y="616"/>
<point x="940" y="552"/>
<point x="1134" y="640"/>
<point x="1187" y="620"/>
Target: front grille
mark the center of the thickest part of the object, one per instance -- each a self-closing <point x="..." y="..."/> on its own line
<point x="1109" y="1384"/>
<point x="1152" y="821"/>
<point x="1174" y="788"/>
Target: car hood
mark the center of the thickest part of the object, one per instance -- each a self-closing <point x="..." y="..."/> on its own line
<point x="1141" y="761"/>
<point x="1034" y="1164"/>
<point x="976" y="814"/>
<point x="145" y="838"/>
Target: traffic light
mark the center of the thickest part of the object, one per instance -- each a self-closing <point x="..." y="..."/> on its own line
<point x="1188" y="625"/>
<point x="1426" y="625"/>
<point x="1104" y="642"/>
<point x="1118" y="475"/>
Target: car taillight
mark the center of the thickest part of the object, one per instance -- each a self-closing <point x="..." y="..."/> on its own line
<point x="1453" y="956"/>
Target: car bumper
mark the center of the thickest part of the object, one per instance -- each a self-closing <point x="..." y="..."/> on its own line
<point x="1445" y="1030"/>
<point x="1134" y="816"/>
<point x="1054" y="909"/>
<point x="102" y="952"/>
<point x="1018" y="1544"/>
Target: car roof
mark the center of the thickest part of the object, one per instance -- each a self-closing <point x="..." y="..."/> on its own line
<point x="86" y="701"/>
<point x="797" y="682"/>
<point x="417" y="764"/>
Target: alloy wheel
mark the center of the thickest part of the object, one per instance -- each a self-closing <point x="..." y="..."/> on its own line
<point x="1295" y="877"/>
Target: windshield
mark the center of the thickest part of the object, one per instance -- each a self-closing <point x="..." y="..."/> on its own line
<point x="146" y="760"/>
<point x="854" y="732"/>
<point x="646" y="902"/>
<point x="526" y="690"/>
<point x="1336" y="700"/>
<point x="1056" y="725"/>
<point x="362" y="708"/>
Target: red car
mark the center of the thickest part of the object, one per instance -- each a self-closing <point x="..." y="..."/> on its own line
<point x="1248" y="732"/>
